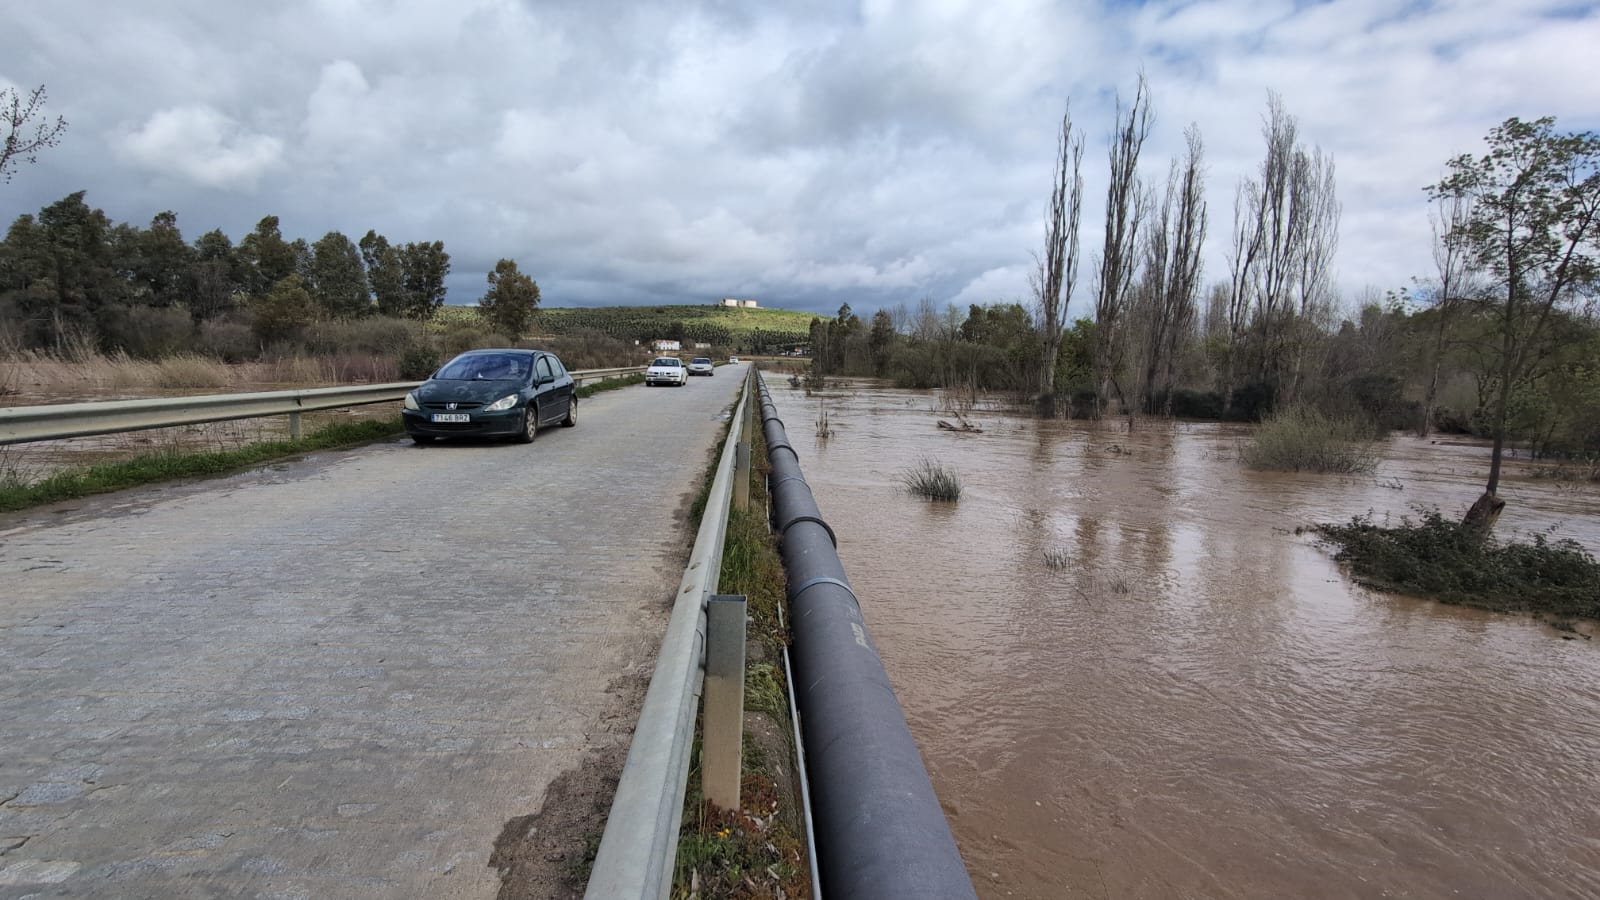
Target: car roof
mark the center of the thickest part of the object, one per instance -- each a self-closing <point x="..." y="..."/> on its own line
<point x="486" y="351"/>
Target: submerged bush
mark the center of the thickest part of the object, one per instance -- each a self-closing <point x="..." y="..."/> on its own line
<point x="1302" y="439"/>
<point x="1443" y="560"/>
<point x="931" y="480"/>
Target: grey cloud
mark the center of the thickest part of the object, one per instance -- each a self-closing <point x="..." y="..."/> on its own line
<point x="875" y="152"/>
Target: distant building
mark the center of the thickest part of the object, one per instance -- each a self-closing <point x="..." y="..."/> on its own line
<point x="659" y="346"/>
<point x="701" y="345"/>
<point x="739" y="304"/>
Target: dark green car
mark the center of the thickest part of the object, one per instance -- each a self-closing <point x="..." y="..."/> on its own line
<point x="492" y="393"/>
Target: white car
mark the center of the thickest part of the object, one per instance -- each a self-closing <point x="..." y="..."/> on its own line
<point x="702" y="365"/>
<point x="733" y="360"/>
<point x="666" y="370"/>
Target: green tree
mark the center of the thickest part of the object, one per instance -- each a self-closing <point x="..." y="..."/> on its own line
<point x="59" y="273"/>
<point x="267" y="257"/>
<point x="425" y="265"/>
<point x="215" y="276"/>
<point x="304" y="260"/>
<point x="284" y="311"/>
<point x="159" y="260"/>
<point x="385" y="274"/>
<point x="511" y="299"/>
<point x="338" y="280"/>
<point x="880" y="341"/>
<point x="1533" y="228"/>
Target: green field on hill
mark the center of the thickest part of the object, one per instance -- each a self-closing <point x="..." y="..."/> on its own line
<point x="742" y="330"/>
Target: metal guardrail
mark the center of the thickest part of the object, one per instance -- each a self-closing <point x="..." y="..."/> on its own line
<point x="639" y="847"/>
<point x="22" y="424"/>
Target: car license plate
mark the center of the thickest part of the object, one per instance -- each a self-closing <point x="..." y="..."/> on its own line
<point x="451" y="417"/>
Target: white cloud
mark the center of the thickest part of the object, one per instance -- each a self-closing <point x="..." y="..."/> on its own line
<point x="1004" y="283"/>
<point x="204" y="146"/>
<point x="875" y="153"/>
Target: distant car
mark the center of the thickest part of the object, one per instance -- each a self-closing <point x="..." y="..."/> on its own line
<point x="702" y="365"/>
<point x="481" y="393"/>
<point x="733" y="360"/>
<point x="666" y="370"/>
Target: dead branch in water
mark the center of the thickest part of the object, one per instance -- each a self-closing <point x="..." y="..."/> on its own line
<point x="964" y="426"/>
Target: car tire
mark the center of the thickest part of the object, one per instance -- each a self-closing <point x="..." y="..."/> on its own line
<point x="530" y="425"/>
<point x="571" y="420"/>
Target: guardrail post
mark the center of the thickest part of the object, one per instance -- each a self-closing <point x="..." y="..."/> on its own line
<point x="751" y="405"/>
<point x="294" y="426"/>
<point x="741" y="474"/>
<point x="741" y="485"/>
<point x="723" y="726"/>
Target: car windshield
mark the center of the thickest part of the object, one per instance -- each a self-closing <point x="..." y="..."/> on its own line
<point x="702" y="360"/>
<point x="485" y="367"/>
<point x="670" y="362"/>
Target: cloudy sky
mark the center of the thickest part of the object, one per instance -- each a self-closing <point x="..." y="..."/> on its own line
<point x="871" y="152"/>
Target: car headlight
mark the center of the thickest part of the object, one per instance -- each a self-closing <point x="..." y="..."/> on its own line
<point x="503" y="403"/>
<point x="411" y="402"/>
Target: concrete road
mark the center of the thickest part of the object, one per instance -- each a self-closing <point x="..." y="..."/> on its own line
<point x="336" y="677"/>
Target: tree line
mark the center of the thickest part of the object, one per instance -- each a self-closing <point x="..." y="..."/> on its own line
<point x="1500" y="341"/>
<point x="73" y="281"/>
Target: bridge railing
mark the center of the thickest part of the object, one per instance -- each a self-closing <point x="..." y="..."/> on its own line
<point x="639" y="847"/>
<point x="880" y="833"/>
<point x="22" y="424"/>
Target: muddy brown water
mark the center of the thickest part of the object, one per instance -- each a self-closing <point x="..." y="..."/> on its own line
<point x="1194" y="701"/>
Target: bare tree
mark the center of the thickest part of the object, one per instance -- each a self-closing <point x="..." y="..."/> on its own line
<point x="1175" y="251"/>
<point x="1286" y="224"/>
<point x="1126" y="205"/>
<point x="20" y="146"/>
<point x="1149" y="311"/>
<point x="1280" y="222"/>
<point x="1316" y="203"/>
<point x="1457" y="270"/>
<point x="1244" y="251"/>
<point x="1056" y="272"/>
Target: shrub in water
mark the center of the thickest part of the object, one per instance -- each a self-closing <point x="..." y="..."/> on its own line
<point x="932" y="480"/>
<point x="1302" y="439"/>
<point x="1446" y="561"/>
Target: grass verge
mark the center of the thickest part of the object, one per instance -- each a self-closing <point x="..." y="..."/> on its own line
<point x="1441" y="560"/>
<point x="165" y="465"/>
<point x="1301" y="439"/>
<point x="757" y="850"/>
<point x="611" y="384"/>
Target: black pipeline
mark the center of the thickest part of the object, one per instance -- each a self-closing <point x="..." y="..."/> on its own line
<point x="880" y="831"/>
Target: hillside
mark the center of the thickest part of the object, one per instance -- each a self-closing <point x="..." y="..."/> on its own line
<point x="742" y="330"/>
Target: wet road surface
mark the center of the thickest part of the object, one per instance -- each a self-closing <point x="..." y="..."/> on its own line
<point x="336" y="677"/>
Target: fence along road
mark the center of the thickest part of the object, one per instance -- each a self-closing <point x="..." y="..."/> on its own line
<point x="337" y="677"/>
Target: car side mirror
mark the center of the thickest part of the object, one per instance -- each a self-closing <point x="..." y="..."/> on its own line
<point x="546" y="379"/>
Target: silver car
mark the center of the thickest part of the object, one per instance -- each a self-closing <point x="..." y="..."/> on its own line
<point x="702" y="365"/>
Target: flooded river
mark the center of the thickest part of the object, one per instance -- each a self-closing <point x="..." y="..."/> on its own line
<point x="1130" y="678"/>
